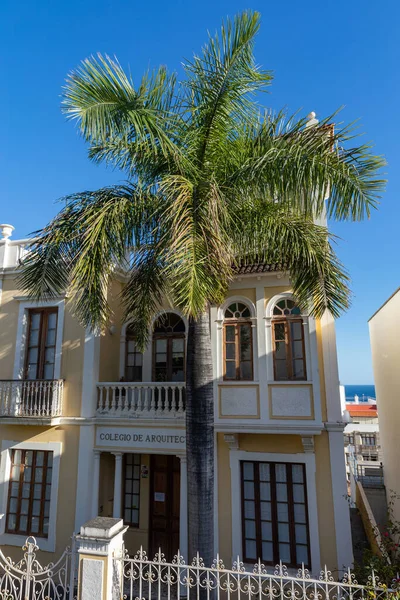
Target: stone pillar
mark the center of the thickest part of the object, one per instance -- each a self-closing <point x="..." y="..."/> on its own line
<point x="117" y="485"/>
<point x="96" y="481"/>
<point x="183" y="523"/>
<point x="99" y="543"/>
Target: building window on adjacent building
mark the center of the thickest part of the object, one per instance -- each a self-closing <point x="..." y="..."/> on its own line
<point x="238" y="343"/>
<point x="274" y="513"/>
<point x="131" y="489"/>
<point x="133" y="358"/>
<point x="368" y="439"/>
<point x="41" y="346"/>
<point x="349" y="439"/>
<point x="29" y="492"/>
<point x="288" y="342"/>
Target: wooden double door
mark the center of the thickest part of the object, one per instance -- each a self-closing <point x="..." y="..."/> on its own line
<point x="164" y="505"/>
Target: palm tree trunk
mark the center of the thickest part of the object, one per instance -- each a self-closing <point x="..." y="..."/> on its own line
<point x="200" y="440"/>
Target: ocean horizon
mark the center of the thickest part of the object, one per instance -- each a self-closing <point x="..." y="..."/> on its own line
<point x="359" y="390"/>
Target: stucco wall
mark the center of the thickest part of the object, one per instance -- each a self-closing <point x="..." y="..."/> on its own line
<point x="385" y="345"/>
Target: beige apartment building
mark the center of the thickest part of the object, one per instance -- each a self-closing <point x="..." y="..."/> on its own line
<point x="385" y="346"/>
<point x="90" y="426"/>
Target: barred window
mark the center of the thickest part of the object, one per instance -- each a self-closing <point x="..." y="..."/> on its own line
<point x="132" y="489"/>
<point x="275" y="513"/>
<point x="288" y="342"/>
<point x="238" y="343"/>
<point x="29" y="492"/>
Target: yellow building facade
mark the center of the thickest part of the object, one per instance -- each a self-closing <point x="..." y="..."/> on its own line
<point x="90" y="426"/>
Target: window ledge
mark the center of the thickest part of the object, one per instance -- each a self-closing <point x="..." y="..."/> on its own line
<point x="238" y="382"/>
<point x="290" y="382"/>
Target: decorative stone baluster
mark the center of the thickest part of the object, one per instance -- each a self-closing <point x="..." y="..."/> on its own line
<point x="107" y="400"/>
<point x="47" y="399"/>
<point x="32" y="392"/>
<point x="113" y="402"/>
<point x="100" y="398"/>
<point x="153" y="399"/>
<point x="119" y="399"/>
<point x="128" y="399"/>
<point x="180" y="400"/>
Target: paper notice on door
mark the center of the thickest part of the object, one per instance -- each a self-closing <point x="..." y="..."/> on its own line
<point x="159" y="497"/>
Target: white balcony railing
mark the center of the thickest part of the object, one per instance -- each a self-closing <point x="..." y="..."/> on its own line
<point x="31" y="398"/>
<point x="164" y="400"/>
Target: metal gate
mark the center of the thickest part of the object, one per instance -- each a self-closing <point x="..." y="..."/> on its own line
<point x="28" y="580"/>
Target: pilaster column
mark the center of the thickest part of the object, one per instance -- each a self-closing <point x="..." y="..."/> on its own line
<point x="117" y="485"/>
<point x="96" y="481"/>
<point x="183" y="523"/>
<point x="100" y="544"/>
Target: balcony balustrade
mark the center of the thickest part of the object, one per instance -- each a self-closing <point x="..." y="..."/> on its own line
<point x="153" y="400"/>
<point x="39" y="398"/>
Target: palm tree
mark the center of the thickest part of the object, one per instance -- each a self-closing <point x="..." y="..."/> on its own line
<point x="213" y="180"/>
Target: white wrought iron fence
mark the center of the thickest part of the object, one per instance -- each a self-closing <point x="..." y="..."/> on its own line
<point x="27" y="579"/>
<point x="159" y="579"/>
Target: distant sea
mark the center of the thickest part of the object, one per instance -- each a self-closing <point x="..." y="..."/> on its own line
<point x="359" y="390"/>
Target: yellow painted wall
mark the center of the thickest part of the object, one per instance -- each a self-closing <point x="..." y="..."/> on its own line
<point x="385" y="345"/>
<point x="110" y="343"/>
<point x="249" y="292"/>
<point x="8" y="328"/>
<point x="69" y="438"/>
<point x="273" y="290"/>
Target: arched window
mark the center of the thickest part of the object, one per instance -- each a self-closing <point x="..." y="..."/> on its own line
<point x="288" y="342"/>
<point x="238" y="343"/>
<point x="133" y="358"/>
<point x="169" y="348"/>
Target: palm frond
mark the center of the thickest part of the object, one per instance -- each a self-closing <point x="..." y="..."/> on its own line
<point x="221" y="79"/>
<point x="144" y="292"/>
<point x="270" y="233"/>
<point x="104" y="101"/>
<point x="312" y="168"/>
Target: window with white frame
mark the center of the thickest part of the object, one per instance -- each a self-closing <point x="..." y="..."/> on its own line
<point x="238" y="343"/>
<point x="275" y="513"/>
<point x="29" y="492"/>
<point x="289" y="355"/>
<point x="29" y="476"/>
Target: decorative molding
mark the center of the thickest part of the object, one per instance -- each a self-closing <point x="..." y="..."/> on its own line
<point x="291" y="402"/>
<point x="239" y="401"/>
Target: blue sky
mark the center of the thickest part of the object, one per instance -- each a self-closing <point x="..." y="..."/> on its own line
<point x="324" y="55"/>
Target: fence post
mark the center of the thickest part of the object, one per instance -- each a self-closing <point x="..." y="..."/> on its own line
<point x="99" y="541"/>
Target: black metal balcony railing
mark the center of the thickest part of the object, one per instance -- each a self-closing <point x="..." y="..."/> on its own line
<point x="31" y="398"/>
